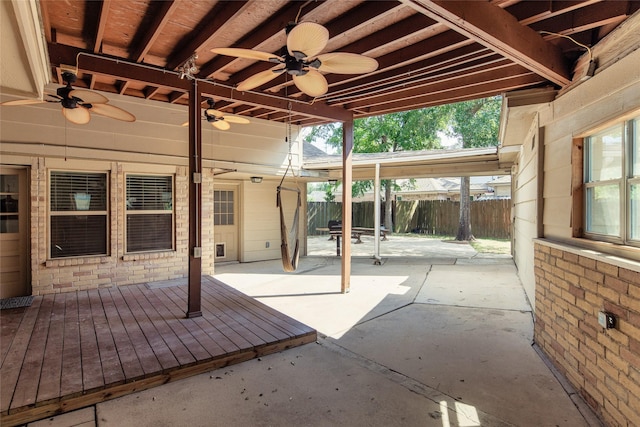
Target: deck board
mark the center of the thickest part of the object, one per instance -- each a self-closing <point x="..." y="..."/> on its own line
<point x="72" y="350"/>
<point x="71" y="381"/>
<point x="12" y="364"/>
<point x="49" y="386"/>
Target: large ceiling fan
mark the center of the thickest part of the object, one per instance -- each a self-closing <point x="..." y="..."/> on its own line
<point x="218" y="119"/>
<point x="301" y="60"/>
<point x="78" y="103"/>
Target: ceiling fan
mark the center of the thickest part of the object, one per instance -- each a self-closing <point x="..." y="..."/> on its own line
<point x="77" y="103"/>
<point x="218" y="119"/>
<point x="300" y="59"/>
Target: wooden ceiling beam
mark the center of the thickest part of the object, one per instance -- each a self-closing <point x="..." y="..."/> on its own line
<point x="268" y="30"/>
<point x="422" y="82"/>
<point x="366" y="13"/>
<point x="161" y="16"/>
<point x="457" y="94"/>
<point x="88" y="62"/>
<point x="395" y="34"/>
<point x="220" y="14"/>
<point x="523" y="45"/>
<point x="535" y="11"/>
<point x="460" y="78"/>
<point x="102" y="23"/>
<point x="584" y="19"/>
<point x="429" y="66"/>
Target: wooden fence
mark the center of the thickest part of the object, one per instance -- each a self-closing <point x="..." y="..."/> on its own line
<point x="489" y="218"/>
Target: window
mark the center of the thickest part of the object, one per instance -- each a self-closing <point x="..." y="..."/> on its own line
<point x="78" y="214"/>
<point x="149" y="213"/>
<point x="223" y="207"/>
<point x="612" y="184"/>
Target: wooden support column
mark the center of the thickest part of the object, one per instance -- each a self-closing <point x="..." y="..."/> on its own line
<point x="195" y="204"/>
<point x="347" y="176"/>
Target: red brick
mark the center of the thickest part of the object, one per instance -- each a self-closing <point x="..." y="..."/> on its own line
<point x="576" y="291"/>
<point x="620" y="312"/>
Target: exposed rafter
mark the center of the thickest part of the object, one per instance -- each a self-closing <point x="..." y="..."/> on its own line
<point x="428" y="51"/>
<point x="521" y="44"/>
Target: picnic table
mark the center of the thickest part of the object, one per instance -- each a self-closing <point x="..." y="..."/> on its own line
<point x="335" y="232"/>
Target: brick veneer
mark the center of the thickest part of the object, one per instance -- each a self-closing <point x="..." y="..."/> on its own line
<point x="572" y="286"/>
<point x="72" y="274"/>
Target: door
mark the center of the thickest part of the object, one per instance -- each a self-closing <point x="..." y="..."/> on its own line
<point x="14" y="233"/>
<point x="225" y="224"/>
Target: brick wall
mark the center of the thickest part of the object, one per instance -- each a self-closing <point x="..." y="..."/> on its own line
<point x="118" y="268"/>
<point x="572" y="286"/>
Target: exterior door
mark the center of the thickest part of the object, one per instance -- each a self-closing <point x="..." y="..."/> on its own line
<point x="14" y="233"/>
<point x="225" y="224"/>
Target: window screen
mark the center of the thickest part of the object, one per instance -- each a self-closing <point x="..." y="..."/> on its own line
<point x="149" y="213"/>
<point x="78" y="214"/>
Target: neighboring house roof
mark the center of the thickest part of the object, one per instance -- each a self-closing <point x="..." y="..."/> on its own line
<point x="310" y="151"/>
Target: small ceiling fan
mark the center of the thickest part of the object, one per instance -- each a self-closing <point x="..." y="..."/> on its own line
<point x="218" y="119"/>
<point x="300" y="59"/>
<point x="78" y="103"/>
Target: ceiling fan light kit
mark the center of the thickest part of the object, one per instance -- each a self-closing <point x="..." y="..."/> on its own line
<point x="218" y="119"/>
<point x="302" y="61"/>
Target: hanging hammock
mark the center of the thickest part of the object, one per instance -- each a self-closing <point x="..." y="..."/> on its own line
<point x="289" y="238"/>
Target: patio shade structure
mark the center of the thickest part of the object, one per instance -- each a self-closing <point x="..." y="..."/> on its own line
<point x="429" y="53"/>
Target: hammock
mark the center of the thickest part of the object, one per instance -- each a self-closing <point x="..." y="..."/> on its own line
<point x="289" y="238"/>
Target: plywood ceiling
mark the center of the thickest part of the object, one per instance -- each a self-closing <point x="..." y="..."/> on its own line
<point x="430" y="52"/>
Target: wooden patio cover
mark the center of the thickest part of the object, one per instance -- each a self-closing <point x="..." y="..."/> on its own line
<point x="430" y="52"/>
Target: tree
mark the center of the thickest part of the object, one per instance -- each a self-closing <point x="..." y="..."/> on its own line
<point x="404" y="131"/>
<point x="475" y="123"/>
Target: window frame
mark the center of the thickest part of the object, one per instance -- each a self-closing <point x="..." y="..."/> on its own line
<point x="630" y="141"/>
<point x="141" y="212"/>
<point x="79" y="213"/>
<point x="229" y="211"/>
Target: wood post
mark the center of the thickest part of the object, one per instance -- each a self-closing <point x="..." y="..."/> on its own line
<point x="195" y="204"/>
<point x="347" y="149"/>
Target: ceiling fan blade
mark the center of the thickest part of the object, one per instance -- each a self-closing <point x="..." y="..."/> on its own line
<point x="236" y="119"/>
<point x="113" y="112"/>
<point x="23" y="102"/>
<point x="79" y="115"/>
<point x="221" y="125"/>
<point x="346" y="63"/>
<point x="313" y="83"/>
<point x="309" y="38"/>
<point x="213" y="112"/>
<point x="258" y="79"/>
<point x="89" y="96"/>
<point x="244" y="53"/>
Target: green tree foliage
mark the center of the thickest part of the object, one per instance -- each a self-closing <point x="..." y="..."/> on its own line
<point x="406" y="131"/>
<point x="474" y="123"/>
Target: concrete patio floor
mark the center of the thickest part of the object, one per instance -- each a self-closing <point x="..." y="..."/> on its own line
<point x="440" y="336"/>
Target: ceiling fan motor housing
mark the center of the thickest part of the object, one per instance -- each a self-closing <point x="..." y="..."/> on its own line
<point x="294" y="66"/>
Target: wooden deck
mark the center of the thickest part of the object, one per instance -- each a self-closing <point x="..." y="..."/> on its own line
<point x="72" y="350"/>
